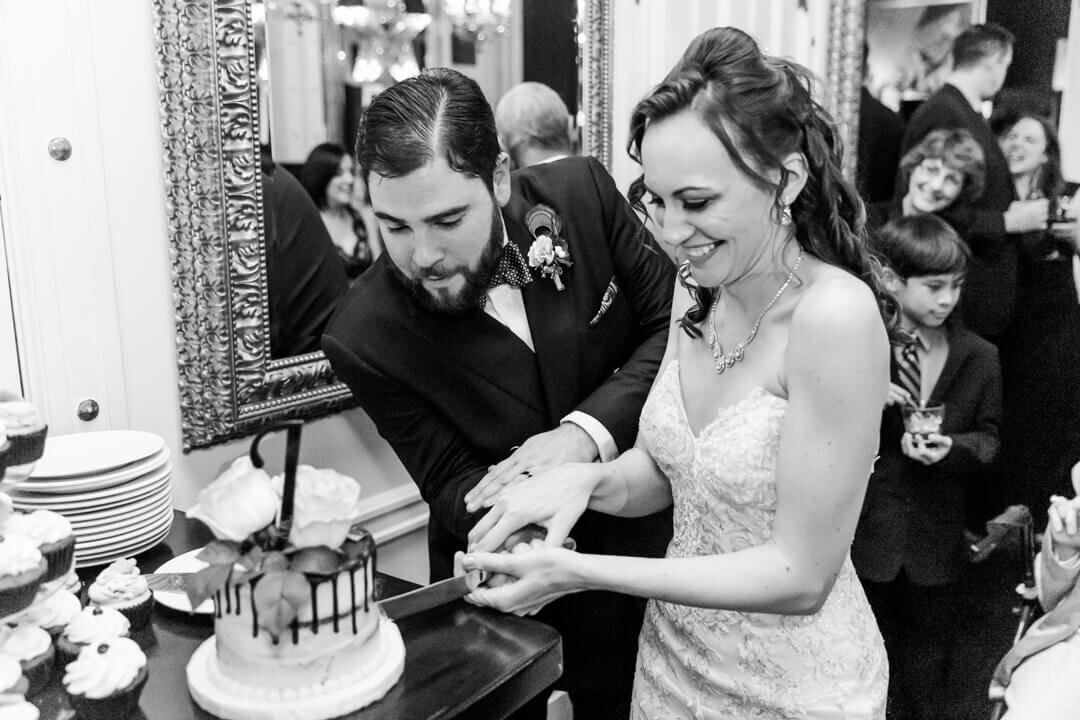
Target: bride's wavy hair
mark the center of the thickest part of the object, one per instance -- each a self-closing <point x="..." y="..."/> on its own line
<point x="760" y="107"/>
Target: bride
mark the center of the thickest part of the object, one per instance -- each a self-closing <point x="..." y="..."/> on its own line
<point x="761" y="426"/>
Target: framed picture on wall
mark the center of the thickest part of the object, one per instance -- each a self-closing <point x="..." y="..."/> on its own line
<point x="909" y="45"/>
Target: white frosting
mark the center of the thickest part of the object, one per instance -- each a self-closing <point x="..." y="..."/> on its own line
<point x="10" y="672"/>
<point x="125" y="566"/>
<point x="17" y="708"/>
<point x="19" y="416"/>
<point x="18" y="554"/>
<point x="96" y="624"/>
<point x="104" y="668"/>
<point x="41" y="526"/>
<point x="26" y="642"/>
<point x="112" y="589"/>
<point x="54" y="611"/>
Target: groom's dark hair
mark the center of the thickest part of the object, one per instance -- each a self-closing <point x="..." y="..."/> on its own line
<point x="438" y="111"/>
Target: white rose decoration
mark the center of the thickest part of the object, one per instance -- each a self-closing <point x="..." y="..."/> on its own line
<point x="238" y="502"/>
<point x="541" y="252"/>
<point x="325" y="506"/>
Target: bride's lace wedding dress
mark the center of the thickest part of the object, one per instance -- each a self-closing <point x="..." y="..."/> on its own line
<point x="705" y="664"/>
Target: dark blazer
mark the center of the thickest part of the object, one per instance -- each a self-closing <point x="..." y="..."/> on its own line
<point x="990" y="285"/>
<point x="913" y="515"/>
<point x="304" y="274"/>
<point x="455" y="394"/>
<point x="880" y="133"/>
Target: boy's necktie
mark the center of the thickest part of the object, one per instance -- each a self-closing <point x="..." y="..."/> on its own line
<point x="908" y="371"/>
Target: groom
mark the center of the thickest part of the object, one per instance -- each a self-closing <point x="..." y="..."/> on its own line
<point x="466" y="356"/>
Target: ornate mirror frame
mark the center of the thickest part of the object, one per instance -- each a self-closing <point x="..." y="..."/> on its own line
<point x="229" y="384"/>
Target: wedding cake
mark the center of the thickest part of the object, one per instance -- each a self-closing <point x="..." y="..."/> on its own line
<point x="297" y="632"/>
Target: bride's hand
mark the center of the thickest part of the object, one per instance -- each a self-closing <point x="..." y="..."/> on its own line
<point x="541" y="575"/>
<point x="554" y="499"/>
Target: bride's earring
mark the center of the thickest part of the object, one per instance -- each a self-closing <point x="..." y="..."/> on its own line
<point x="785" y="214"/>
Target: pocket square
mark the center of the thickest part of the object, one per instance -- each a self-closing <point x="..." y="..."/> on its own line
<point x="610" y="292"/>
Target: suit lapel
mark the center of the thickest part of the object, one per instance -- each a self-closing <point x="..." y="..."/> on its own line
<point x="959" y="349"/>
<point x="482" y="347"/>
<point x="551" y="321"/>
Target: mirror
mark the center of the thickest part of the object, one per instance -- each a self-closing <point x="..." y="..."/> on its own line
<point x="230" y="385"/>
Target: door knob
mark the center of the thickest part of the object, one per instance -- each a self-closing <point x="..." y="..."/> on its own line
<point x="88" y="409"/>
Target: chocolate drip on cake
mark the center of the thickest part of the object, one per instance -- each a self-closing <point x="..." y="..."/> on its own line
<point x="314" y="585"/>
<point x="352" y="596"/>
<point x="333" y="582"/>
<point x="254" y="611"/>
<point x="217" y="603"/>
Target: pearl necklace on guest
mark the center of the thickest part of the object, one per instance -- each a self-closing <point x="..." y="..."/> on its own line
<point x="727" y="360"/>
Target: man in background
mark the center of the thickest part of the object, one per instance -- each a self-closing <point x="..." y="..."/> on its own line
<point x="533" y="125"/>
<point x="981" y="57"/>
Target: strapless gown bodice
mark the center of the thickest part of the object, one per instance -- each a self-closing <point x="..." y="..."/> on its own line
<point x="710" y="664"/>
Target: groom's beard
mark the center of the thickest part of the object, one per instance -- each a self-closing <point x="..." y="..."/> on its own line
<point x="476" y="278"/>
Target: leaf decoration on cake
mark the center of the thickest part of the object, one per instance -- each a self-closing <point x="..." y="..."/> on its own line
<point x="278" y="597"/>
<point x="220" y="552"/>
<point x="319" y="560"/>
<point x="204" y="583"/>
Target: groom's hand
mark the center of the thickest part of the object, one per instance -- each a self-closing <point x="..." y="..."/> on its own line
<point x="566" y="443"/>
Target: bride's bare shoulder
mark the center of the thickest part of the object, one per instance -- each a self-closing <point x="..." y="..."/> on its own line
<point x="833" y="296"/>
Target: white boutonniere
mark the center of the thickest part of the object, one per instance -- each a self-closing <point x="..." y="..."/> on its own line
<point x="549" y="253"/>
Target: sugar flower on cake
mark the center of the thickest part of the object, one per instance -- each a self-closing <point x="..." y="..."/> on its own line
<point x="238" y="503"/>
<point x="327" y="505"/>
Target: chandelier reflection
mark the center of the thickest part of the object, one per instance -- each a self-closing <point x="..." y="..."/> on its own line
<point x="382" y="36"/>
<point x="478" y="19"/>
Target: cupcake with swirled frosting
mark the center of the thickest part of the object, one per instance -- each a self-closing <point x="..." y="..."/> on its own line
<point x="22" y="569"/>
<point x="53" y="535"/>
<point x="104" y="682"/>
<point x="92" y="625"/>
<point x="33" y="648"/>
<point x="122" y="588"/>
<point x="51" y="613"/>
<point x="25" y="431"/>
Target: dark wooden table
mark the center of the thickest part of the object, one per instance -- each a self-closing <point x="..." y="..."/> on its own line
<point x="460" y="661"/>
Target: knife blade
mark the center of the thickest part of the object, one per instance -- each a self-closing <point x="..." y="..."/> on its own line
<point x="433" y="595"/>
<point x="397" y="607"/>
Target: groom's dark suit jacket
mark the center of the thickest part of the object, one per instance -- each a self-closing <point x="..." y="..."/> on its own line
<point x="913" y="515"/>
<point x="454" y="394"/>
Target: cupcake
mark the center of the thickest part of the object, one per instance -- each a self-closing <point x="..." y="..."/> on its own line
<point x="91" y="625"/>
<point x="53" y="535"/>
<point x="122" y="588"/>
<point x="21" y="571"/>
<point x="105" y="681"/>
<point x="25" y="431"/>
<point x="33" y="648"/>
<point x="52" y="614"/>
<point x="13" y="683"/>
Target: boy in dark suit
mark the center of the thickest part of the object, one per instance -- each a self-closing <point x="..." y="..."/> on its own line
<point x="908" y="547"/>
<point x="480" y="352"/>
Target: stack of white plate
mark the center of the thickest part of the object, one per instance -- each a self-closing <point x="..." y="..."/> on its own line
<point x="114" y="486"/>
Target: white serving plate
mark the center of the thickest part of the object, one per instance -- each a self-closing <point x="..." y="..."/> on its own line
<point x="179" y="600"/>
<point x="91" y="559"/>
<point x="87" y="453"/>
<point x="138" y="487"/>
<point x="110" y="513"/>
<point x="97" y="481"/>
<point x="123" y="536"/>
<point x="125" y="526"/>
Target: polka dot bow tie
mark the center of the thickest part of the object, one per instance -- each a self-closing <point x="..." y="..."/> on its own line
<point x="512" y="268"/>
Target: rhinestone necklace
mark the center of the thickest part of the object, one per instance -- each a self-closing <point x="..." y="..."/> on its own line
<point x="726" y="360"/>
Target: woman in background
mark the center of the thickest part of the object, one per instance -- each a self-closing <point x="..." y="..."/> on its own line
<point x="1041" y="349"/>
<point x="756" y="610"/>
<point x="329" y="175"/>
<point x="946" y="167"/>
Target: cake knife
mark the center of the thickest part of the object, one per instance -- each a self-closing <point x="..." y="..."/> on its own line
<point x="396" y="607"/>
